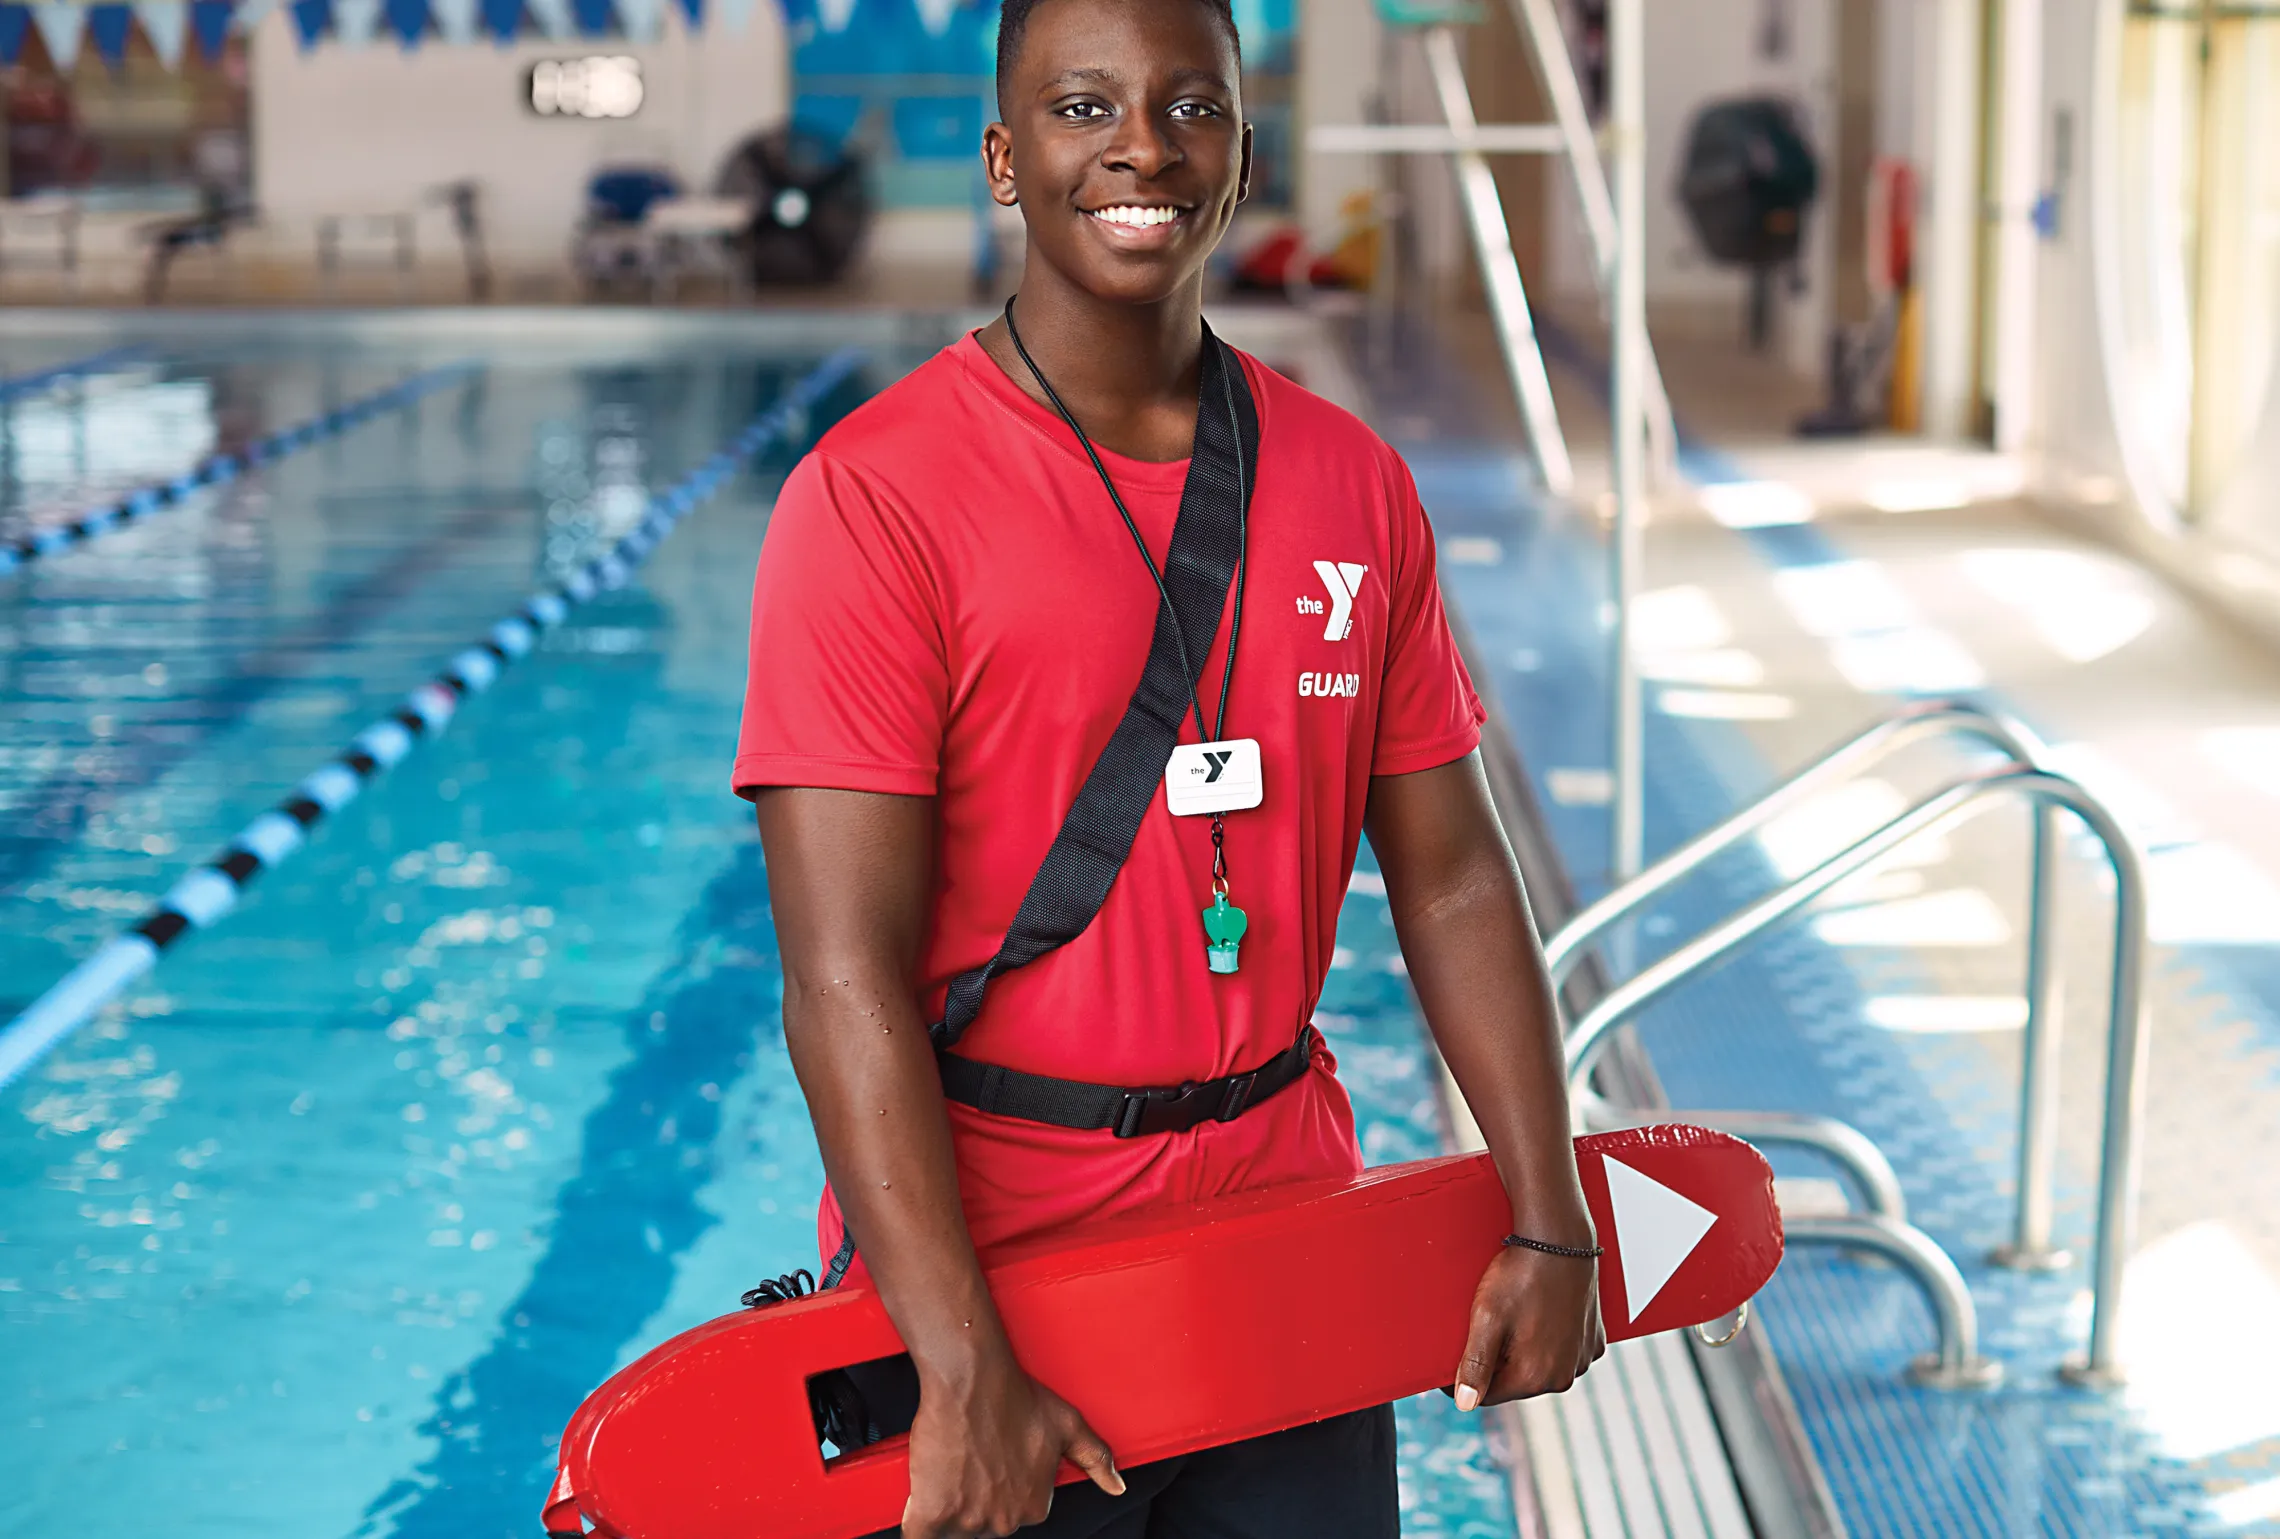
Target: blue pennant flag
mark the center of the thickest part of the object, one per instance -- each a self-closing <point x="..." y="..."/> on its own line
<point x="109" y="25"/>
<point x="502" y="19"/>
<point x="210" y="24"/>
<point x="409" y="18"/>
<point x="15" y="21"/>
<point x="310" y="19"/>
<point x="595" y="17"/>
<point x="696" y="12"/>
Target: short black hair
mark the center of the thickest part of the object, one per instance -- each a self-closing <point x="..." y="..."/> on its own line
<point x="1013" y="21"/>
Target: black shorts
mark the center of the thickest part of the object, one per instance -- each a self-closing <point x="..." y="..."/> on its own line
<point x="1327" y="1480"/>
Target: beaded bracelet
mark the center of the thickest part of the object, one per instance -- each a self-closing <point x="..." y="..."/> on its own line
<point x="1579" y="1252"/>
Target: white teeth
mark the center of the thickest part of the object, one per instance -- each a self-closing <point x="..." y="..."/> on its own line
<point x="1134" y="215"/>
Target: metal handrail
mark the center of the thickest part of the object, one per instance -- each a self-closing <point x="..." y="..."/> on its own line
<point x="1957" y="1363"/>
<point x="1931" y="718"/>
<point x="2030" y="1247"/>
<point x="2127" y="1040"/>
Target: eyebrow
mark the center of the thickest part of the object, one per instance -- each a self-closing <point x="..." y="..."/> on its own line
<point x="1074" y="76"/>
<point x="1097" y="75"/>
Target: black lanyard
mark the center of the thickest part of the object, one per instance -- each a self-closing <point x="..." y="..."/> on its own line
<point x="1193" y="674"/>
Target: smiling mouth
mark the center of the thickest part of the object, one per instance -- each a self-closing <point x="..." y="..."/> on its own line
<point x="1135" y="216"/>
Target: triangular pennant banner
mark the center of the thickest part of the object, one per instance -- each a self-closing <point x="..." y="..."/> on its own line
<point x="642" y="19"/>
<point x="109" y="27"/>
<point x="695" y="10"/>
<point x="210" y="24"/>
<point x="553" y="17"/>
<point x="408" y="19"/>
<point x="310" y="19"/>
<point x="60" y="22"/>
<point x="15" y="22"/>
<point x="934" y="15"/>
<point x="1656" y="1229"/>
<point x="355" y="22"/>
<point x="252" y="13"/>
<point x="167" y="24"/>
<point x="594" y="16"/>
<point x="834" y="15"/>
<point x="502" y="19"/>
<point x="455" y="19"/>
<point x="735" y="15"/>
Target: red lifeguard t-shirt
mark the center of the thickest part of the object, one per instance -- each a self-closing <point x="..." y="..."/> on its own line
<point x="947" y="605"/>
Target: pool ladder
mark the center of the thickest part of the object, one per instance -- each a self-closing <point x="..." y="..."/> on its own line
<point x="1882" y="1225"/>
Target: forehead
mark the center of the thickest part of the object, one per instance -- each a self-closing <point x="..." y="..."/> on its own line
<point x="1112" y="40"/>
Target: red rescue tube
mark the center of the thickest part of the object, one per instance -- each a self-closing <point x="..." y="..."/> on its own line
<point x="1170" y="1331"/>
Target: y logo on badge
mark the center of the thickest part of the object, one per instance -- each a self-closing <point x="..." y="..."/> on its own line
<point x="1344" y="580"/>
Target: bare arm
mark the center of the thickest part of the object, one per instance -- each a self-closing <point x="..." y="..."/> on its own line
<point x="847" y="875"/>
<point x="1474" y="959"/>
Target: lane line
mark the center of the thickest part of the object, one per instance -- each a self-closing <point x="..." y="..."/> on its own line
<point x="212" y="890"/>
<point x="40" y="379"/>
<point x="220" y="468"/>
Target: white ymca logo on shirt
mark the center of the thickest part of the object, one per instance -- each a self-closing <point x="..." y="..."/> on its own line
<point x="1343" y="580"/>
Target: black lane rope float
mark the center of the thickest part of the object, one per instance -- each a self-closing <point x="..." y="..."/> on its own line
<point x="219" y="468"/>
<point x="40" y="379"/>
<point x="213" y="889"/>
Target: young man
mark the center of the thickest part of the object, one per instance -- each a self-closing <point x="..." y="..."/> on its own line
<point x="959" y="591"/>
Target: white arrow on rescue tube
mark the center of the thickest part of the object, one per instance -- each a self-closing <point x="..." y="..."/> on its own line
<point x="1656" y="1229"/>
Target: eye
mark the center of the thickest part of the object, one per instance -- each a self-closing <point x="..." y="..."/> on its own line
<point x="1082" y="112"/>
<point x="1194" y="109"/>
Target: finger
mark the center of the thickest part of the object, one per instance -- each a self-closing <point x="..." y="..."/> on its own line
<point x="917" y="1525"/>
<point x="1087" y="1452"/>
<point x="1476" y="1370"/>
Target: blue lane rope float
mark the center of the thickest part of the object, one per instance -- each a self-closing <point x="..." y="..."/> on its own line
<point x="213" y="889"/>
<point x="219" y="469"/>
<point x="40" y="379"/>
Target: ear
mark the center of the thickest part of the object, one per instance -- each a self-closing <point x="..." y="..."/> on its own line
<point x="1243" y="181"/>
<point x="997" y="164"/>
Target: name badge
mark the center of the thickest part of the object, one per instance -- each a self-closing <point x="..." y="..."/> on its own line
<point x="1214" y="777"/>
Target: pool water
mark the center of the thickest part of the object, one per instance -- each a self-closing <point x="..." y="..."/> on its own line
<point x="326" y="1227"/>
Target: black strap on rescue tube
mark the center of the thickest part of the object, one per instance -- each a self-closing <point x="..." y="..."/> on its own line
<point x="1096" y="837"/>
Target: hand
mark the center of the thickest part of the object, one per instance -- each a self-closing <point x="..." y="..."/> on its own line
<point x="984" y="1452"/>
<point x="1535" y="1328"/>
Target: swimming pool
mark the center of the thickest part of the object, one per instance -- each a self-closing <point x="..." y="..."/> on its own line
<point x="327" y="1226"/>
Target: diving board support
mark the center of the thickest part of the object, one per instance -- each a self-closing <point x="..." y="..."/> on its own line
<point x="1500" y="270"/>
<point x="1540" y="26"/>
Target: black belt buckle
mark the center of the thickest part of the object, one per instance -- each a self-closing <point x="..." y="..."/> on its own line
<point x="1171" y="1110"/>
<point x="1238" y="1096"/>
<point x="1180" y="1107"/>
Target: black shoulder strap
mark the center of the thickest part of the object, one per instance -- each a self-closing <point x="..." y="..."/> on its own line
<point x="1097" y="836"/>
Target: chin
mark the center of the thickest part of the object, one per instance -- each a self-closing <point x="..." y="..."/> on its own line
<point x="1137" y="288"/>
<point x="1123" y="277"/>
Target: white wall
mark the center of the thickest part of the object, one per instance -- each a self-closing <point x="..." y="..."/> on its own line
<point x="1337" y="76"/>
<point x="343" y="129"/>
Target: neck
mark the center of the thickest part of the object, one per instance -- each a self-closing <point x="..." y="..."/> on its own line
<point x="1110" y="361"/>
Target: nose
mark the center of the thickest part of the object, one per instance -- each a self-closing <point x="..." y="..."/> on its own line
<point x="1140" y="145"/>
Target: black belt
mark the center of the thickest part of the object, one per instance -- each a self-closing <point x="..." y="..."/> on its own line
<point x="1072" y="1103"/>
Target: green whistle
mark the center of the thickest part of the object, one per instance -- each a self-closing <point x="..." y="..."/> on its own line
<point x="1224" y="924"/>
